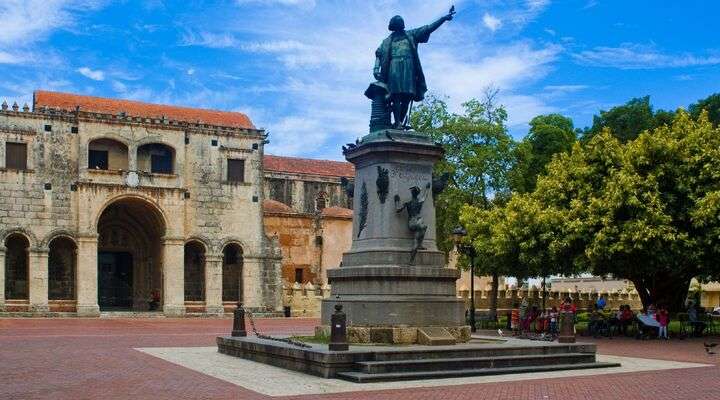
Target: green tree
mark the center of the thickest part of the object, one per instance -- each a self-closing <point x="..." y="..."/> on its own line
<point x="478" y="156"/>
<point x="711" y="104"/>
<point x="628" y="121"/>
<point x="548" y="135"/>
<point x="646" y="210"/>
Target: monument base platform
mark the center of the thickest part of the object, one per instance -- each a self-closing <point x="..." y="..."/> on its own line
<point x="374" y="363"/>
<point x="402" y="335"/>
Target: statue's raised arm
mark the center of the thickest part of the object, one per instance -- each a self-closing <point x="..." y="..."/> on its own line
<point x="398" y="69"/>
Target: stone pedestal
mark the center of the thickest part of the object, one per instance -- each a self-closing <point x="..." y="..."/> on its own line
<point x="377" y="284"/>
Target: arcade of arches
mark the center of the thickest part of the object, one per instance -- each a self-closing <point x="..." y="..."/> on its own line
<point x="131" y="248"/>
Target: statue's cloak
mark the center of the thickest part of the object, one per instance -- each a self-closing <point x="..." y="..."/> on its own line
<point x="415" y="36"/>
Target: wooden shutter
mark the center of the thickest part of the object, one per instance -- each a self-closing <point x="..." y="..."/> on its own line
<point x="16" y="156"/>
<point x="236" y="170"/>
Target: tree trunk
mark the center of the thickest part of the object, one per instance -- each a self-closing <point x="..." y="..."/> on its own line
<point x="663" y="289"/>
<point x="493" y="297"/>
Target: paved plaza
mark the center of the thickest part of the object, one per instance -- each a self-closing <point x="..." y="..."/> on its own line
<point x="174" y="359"/>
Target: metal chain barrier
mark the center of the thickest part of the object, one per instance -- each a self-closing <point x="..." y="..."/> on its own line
<point x="268" y="337"/>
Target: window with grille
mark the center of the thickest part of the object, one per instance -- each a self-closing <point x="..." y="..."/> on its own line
<point x="16" y="156"/>
<point x="236" y="170"/>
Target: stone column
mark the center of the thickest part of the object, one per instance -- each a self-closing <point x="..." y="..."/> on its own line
<point x="2" y="278"/>
<point x="87" y="277"/>
<point x="251" y="283"/>
<point x="173" y="277"/>
<point x="38" y="282"/>
<point x="213" y="285"/>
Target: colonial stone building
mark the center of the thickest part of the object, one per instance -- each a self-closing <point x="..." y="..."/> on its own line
<point x="120" y="205"/>
<point x="309" y="212"/>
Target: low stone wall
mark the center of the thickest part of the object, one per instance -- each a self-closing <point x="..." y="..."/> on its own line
<point x="304" y="300"/>
<point x="583" y="300"/>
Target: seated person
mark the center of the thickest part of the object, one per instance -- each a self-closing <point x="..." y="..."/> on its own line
<point x="626" y="318"/>
<point x="596" y="322"/>
<point x="647" y="324"/>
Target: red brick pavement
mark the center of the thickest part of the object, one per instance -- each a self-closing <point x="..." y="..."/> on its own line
<point x="94" y="359"/>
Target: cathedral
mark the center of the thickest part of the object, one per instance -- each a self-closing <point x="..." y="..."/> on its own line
<point x="114" y="205"/>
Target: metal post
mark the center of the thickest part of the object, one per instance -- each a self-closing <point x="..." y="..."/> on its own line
<point x="471" y="253"/>
<point x="239" y="321"/>
<point x="338" y="330"/>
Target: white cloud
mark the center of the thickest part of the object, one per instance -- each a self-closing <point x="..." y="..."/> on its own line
<point x="638" y="56"/>
<point x="565" y="88"/>
<point x="491" y="22"/>
<point x="96" y="75"/>
<point x="304" y="3"/>
<point x="191" y="71"/>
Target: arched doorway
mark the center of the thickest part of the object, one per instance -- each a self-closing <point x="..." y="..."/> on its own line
<point x="232" y="273"/>
<point x="130" y="255"/>
<point x="16" y="267"/>
<point x="62" y="262"/>
<point x="194" y="271"/>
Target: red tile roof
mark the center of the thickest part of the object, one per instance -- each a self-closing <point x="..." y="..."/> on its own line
<point x="309" y="166"/>
<point x="337" y="212"/>
<point x="69" y="102"/>
<point x="274" y="206"/>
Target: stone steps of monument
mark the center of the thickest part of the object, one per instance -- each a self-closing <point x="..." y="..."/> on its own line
<point x="464" y="352"/>
<point x="464" y="363"/>
<point x="362" y="377"/>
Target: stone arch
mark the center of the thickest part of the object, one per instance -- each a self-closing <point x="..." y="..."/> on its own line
<point x="29" y="236"/>
<point x="147" y="200"/>
<point x="232" y="271"/>
<point x="204" y="241"/>
<point x="17" y="265"/>
<point x="195" y="258"/>
<point x="232" y="240"/>
<point x="108" y="152"/>
<point x="156" y="157"/>
<point x="321" y="201"/>
<point x="57" y="233"/>
<point x="131" y="232"/>
<point x="62" y="267"/>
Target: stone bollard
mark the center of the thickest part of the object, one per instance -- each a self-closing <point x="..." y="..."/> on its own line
<point x="567" y="327"/>
<point x="239" y="321"/>
<point x="338" y="330"/>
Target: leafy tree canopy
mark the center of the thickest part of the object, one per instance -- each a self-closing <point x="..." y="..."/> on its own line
<point x="549" y="134"/>
<point x="478" y="155"/>
<point x="646" y="210"/>
<point x="711" y="104"/>
<point x="627" y="121"/>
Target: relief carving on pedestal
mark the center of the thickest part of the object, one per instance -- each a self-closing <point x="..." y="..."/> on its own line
<point x="363" y="209"/>
<point x="383" y="183"/>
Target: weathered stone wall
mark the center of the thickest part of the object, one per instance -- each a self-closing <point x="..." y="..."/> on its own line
<point x="311" y="242"/>
<point x="300" y="191"/>
<point x="59" y="194"/>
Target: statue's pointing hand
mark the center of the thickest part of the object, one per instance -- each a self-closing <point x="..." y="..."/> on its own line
<point x="451" y="13"/>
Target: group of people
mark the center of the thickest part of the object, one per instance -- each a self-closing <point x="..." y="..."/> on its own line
<point x="652" y="321"/>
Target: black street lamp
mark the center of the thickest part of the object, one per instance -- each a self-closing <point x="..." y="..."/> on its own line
<point x="459" y="234"/>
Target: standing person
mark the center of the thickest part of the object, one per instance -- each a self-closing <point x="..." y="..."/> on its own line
<point x="626" y="318"/>
<point x="553" y="320"/>
<point x="515" y="319"/>
<point x="663" y="318"/>
<point x="698" y="326"/>
<point x="523" y="314"/>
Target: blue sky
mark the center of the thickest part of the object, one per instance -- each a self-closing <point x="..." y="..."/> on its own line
<point x="298" y="67"/>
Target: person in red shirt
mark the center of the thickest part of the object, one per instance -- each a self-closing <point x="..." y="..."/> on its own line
<point x="663" y="318"/>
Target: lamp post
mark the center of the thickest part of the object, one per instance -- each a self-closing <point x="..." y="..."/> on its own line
<point x="459" y="234"/>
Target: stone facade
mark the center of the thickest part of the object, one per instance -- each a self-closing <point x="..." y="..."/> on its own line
<point x="119" y="202"/>
<point x="306" y="209"/>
